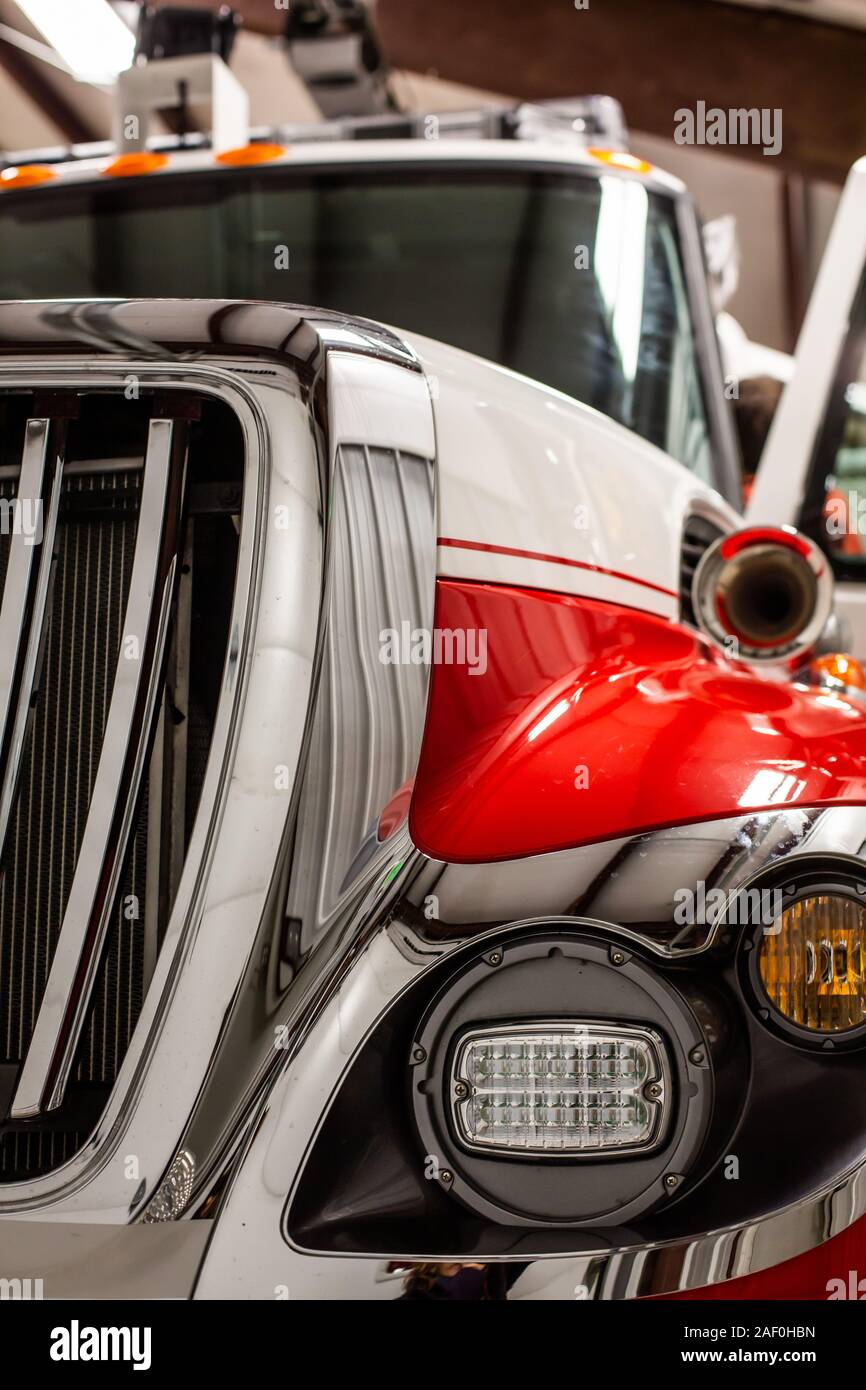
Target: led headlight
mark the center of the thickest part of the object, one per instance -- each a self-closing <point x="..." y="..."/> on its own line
<point x="812" y="963"/>
<point x="564" y="1088"/>
<point x="559" y="1079"/>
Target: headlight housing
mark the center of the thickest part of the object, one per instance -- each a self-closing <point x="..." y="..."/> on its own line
<point x="559" y="1079"/>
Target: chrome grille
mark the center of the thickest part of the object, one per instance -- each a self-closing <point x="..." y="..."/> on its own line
<point x="97" y="829"/>
<point x="91" y="585"/>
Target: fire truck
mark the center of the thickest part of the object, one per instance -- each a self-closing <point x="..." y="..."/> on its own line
<point x="431" y="820"/>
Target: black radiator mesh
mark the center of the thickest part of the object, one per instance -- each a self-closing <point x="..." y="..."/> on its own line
<point x="95" y="547"/>
<point x="95" y="542"/>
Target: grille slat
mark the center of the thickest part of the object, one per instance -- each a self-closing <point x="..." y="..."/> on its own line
<point x="699" y="533"/>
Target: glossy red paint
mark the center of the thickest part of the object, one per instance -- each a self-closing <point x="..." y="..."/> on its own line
<point x="834" y="1269"/>
<point x="594" y="720"/>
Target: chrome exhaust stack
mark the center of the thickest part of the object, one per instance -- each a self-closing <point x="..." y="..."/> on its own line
<point x="764" y="594"/>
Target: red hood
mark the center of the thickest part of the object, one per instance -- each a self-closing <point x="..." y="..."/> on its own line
<point x="593" y="721"/>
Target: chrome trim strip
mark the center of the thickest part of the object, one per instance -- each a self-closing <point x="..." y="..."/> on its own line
<point x="31" y="658"/>
<point x="46" y="1067"/>
<point x="16" y="632"/>
<point x="615" y="1275"/>
<point x="268" y="337"/>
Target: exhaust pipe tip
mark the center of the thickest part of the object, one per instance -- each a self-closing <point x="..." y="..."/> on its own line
<point x="763" y="594"/>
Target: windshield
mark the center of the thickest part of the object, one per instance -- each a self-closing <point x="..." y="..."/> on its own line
<point x="574" y="280"/>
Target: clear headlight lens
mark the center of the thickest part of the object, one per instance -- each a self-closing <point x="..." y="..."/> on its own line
<point x="811" y="963"/>
<point x="566" y="1088"/>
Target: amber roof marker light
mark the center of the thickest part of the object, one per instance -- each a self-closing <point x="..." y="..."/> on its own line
<point x="621" y="159"/>
<point x="26" y="176"/>
<point x="134" y="164"/>
<point x="257" y="153"/>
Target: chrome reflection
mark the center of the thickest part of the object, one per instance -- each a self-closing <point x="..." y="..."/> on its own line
<point x="367" y="729"/>
<point x="671" y="889"/>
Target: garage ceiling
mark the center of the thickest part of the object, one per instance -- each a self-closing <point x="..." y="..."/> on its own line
<point x="654" y="57"/>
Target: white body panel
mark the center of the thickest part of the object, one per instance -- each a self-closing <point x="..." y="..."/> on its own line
<point x="780" y="484"/>
<point x="379" y="404"/>
<point x="782" y="478"/>
<point x="525" y="468"/>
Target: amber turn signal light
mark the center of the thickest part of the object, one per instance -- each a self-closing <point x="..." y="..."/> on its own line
<point x="812" y="963"/>
<point x="838" y="666"/>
